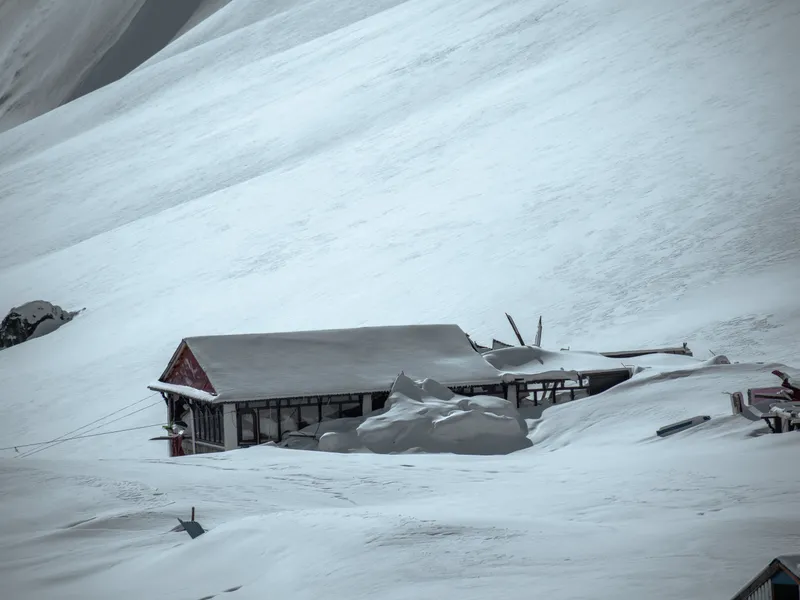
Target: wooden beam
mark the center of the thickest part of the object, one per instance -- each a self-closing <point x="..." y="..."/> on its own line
<point x="516" y="331"/>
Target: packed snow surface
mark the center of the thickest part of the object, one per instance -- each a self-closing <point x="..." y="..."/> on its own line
<point x="627" y="169"/>
<point x="598" y="507"/>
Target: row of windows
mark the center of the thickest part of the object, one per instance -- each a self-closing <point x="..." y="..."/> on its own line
<point x="208" y="423"/>
<point x="309" y="401"/>
<point x="471" y="390"/>
<point x="259" y="425"/>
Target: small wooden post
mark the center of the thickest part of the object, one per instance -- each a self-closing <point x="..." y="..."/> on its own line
<point x="193" y="513"/>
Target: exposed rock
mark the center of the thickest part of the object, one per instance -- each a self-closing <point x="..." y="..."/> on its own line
<point x="32" y="320"/>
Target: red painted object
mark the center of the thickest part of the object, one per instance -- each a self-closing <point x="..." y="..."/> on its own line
<point x="176" y="446"/>
<point x="187" y="371"/>
<point x="792" y="390"/>
<point x="761" y="395"/>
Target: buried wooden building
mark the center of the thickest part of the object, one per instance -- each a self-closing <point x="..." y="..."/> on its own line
<point x="242" y="390"/>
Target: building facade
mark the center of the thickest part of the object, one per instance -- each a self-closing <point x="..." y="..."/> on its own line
<point x="232" y="391"/>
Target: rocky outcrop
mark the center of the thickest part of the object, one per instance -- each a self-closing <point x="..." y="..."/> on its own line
<point x="32" y="320"/>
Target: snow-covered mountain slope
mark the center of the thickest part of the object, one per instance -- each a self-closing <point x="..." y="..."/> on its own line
<point x="626" y="169"/>
<point x="52" y="52"/>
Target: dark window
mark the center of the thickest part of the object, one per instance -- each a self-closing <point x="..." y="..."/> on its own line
<point x="268" y="424"/>
<point x="379" y="400"/>
<point x="781" y="591"/>
<point x="216" y="425"/>
<point x="351" y="409"/>
<point x="247" y="426"/>
<point x="289" y="420"/>
<point x="308" y="415"/>
<point x="196" y="420"/>
<point x="330" y="411"/>
<point x="203" y="435"/>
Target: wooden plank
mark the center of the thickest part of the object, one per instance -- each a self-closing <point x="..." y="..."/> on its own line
<point x="682" y="351"/>
<point x="516" y="331"/>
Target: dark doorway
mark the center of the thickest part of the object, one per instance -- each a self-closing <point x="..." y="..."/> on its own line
<point x="782" y="591"/>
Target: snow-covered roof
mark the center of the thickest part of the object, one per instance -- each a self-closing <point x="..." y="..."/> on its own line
<point x="183" y="390"/>
<point x="337" y="361"/>
<point x="532" y="361"/>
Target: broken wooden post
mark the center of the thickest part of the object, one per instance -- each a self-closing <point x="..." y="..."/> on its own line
<point x="516" y="331"/>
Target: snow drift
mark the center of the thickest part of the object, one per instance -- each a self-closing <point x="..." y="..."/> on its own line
<point x="428" y="417"/>
<point x="423" y="417"/>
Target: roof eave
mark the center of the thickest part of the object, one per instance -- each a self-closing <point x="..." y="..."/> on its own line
<point x="791" y="572"/>
<point x="183" y="390"/>
<point x="172" y="360"/>
<point x="760" y="579"/>
<point x="232" y="398"/>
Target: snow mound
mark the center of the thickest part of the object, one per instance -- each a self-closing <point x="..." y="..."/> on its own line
<point x="528" y="360"/>
<point x="632" y="412"/>
<point x="429" y="417"/>
<point x="338" y="435"/>
<point x="424" y="417"/>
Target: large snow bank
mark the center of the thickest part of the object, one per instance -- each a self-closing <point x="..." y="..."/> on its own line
<point x="423" y="417"/>
<point x="429" y="417"/>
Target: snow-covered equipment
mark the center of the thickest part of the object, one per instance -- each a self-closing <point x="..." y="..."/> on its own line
<point x="791" y="391"/>
<point x="682" y="425"/>
<point x="778" y="407"/>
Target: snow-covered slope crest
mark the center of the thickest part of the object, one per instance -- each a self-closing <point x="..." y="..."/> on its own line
<point x="47" y="46"/>
<point x="426" y="416"/>
<point x="53" y="51"/>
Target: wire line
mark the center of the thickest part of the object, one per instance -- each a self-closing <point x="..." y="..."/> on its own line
<point x="88" y="435"/>
<point x="55" y="441"/>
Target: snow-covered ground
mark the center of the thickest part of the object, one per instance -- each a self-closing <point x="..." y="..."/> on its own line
<point x="627" y="169"/>
<point x="598" y="508"/>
